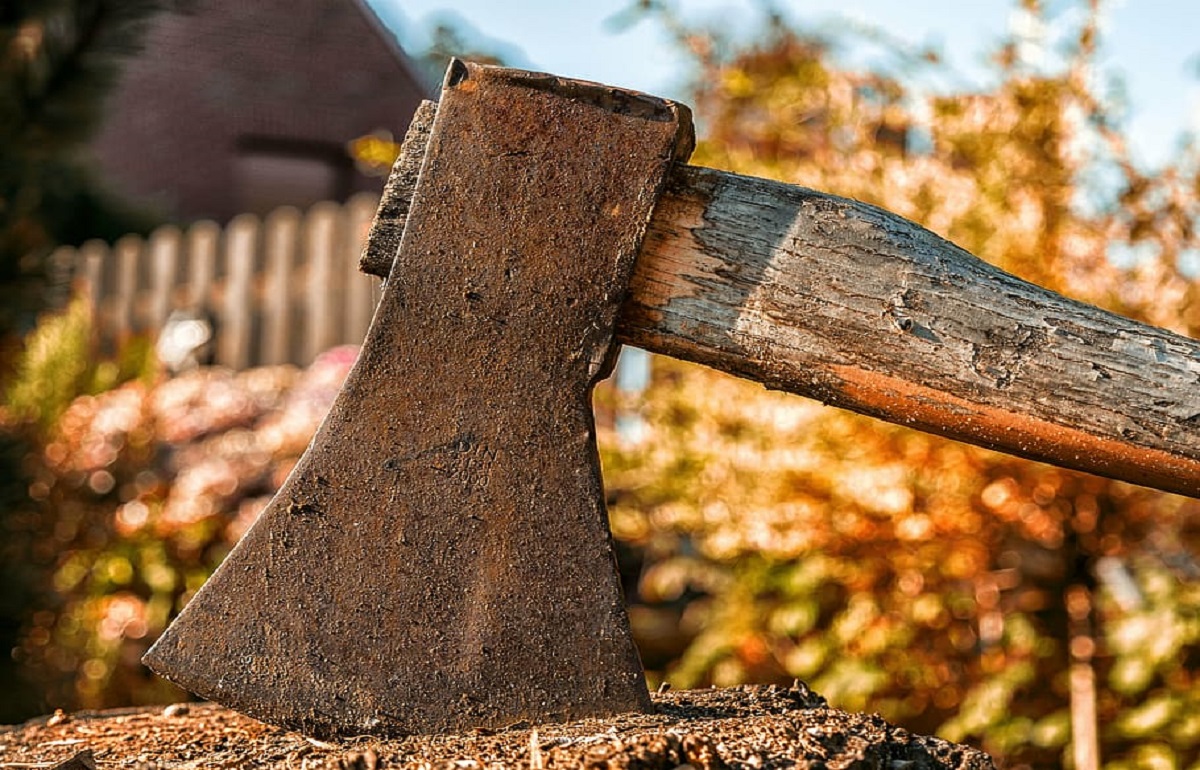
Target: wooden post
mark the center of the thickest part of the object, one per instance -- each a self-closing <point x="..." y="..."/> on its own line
<point x="163" y="252"/>
<point x="241" y="240"/>
<point x="320" y="241"/>
<point x="280" y="242"/>
<point x="358" y="302"/>
<point x="202" y="240"/>
<point x="1085" y="740"/>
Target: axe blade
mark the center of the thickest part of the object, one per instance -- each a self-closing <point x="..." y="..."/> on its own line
<point x="440" y="558"/>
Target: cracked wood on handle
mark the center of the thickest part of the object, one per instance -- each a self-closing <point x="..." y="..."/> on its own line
<point x="843" y="302"/>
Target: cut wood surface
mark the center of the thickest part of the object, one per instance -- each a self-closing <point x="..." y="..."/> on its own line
<point x="844" y="302"/>
<point x="742" y="728"/>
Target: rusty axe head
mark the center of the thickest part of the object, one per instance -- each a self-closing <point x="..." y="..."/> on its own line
<point x="440" y="559"/>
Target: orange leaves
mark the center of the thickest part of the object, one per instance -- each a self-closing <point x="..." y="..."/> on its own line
<point x="143" y="490"/>
<point x="894" y="570"/>
<point x="94" y="430"/>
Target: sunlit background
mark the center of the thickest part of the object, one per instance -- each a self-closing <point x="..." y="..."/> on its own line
<point x="195" y="226"/>
<point x="1149" y="45"/>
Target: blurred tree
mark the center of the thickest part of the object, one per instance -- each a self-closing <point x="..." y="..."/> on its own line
<point x="450" y="36"/>
<point x="951" y="588"/>
<point x="58" y="59"/>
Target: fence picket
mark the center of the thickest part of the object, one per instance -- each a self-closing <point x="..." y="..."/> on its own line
<point x="128" y="254"/>
<point x="280" y="239"/>
<point x="164" y="255"/>
<point x="233" y="340"/>
<point x="88" y="271"/>
<point x="321" y="239"/>
<point x="360" y="299"/>
<point x="277" y="291"/>
<point x="202" y="240"/>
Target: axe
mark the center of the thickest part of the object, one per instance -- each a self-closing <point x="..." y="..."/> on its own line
<point x="440" y="560"/>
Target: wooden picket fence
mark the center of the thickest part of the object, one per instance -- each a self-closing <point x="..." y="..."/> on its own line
<point x="280" y="289"/>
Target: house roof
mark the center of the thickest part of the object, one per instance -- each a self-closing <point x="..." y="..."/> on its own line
<point x="221" y="80"/>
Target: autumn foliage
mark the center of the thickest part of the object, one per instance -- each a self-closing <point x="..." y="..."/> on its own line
<point x="135" y="495"/>
<point x="764" y="537"/>
<point x="950" y="588"/>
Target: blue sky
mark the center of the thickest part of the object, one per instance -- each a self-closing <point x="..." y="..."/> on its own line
<point x="1152" y="45"/>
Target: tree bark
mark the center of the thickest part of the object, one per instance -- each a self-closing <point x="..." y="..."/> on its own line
<point x="847" y="303"/>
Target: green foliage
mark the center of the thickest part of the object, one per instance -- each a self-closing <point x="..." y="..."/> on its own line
<point x="54" y="366"/>
<point x="58" y="60"/>
<point x="1154" y="647"/>
<point x="58" y="364"/>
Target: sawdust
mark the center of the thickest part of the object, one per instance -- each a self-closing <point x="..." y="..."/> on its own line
<point x="742" y="727"/>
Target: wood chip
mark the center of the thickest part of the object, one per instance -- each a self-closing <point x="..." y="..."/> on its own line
<point x="84" y="760"/>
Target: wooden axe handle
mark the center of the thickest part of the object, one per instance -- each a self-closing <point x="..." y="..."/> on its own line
<point x="847" y="303"/>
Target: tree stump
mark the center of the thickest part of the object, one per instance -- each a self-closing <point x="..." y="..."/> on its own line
<point x="757" y="727"/>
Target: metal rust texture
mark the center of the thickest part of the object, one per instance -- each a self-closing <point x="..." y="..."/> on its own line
<point x="439" y="559"/>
